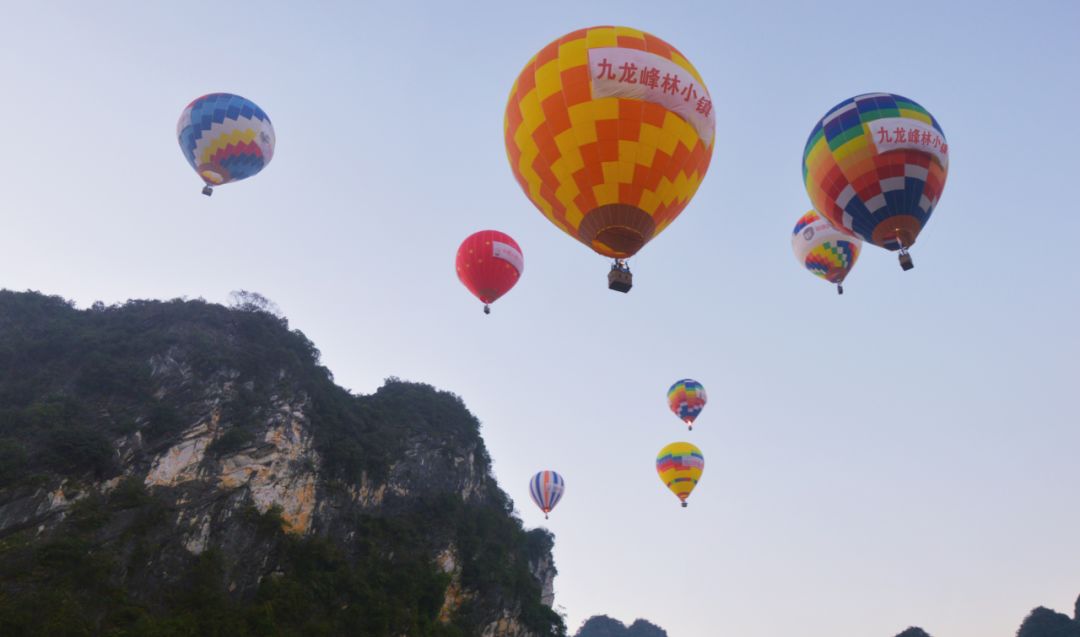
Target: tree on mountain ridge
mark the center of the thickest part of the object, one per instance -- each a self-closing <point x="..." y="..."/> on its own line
<point x="604" y="626"/>
<point x="1043" y="622"/>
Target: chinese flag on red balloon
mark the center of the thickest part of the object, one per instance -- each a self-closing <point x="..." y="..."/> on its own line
<point x="489" y="263"/>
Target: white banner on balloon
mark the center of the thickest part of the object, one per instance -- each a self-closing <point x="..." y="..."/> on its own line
<point x="892" y="133"/>
<point x="508" y="253"/>
<point x="640" y="75"/>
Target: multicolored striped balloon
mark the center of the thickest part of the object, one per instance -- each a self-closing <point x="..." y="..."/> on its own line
<point x="875" y="165"/>
<point x="680" y="465"/>
<point x="686" y="398"/>
<point x="610" y="130"/>
<point x="225" y="138"/>
<point x="824" y="250"/>
<point x="546" y="489"/>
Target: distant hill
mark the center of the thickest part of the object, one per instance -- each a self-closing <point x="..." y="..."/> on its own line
<point x="604" y="626"/>
<point x="1043" y="622"/>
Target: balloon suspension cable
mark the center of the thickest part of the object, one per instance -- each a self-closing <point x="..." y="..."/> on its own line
<point x="487" y="309"/>
<point x="207" y="190"/>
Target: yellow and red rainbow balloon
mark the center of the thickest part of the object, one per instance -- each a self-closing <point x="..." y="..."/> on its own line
<point x="679" y="466"/>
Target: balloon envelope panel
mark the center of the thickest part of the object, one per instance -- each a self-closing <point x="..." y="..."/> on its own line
<point x="609" y="131"/>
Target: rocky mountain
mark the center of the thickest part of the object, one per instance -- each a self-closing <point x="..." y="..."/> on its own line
<point x="182" y="468"/>
<point x="604" y="626"/>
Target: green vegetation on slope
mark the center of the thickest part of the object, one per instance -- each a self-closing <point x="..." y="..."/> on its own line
<point x="72" y="382"/>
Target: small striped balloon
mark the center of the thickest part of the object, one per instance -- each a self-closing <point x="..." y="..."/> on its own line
<point x="546" y="489"/>
<point x="686" y="398"/>
<point x="679" y="466"/>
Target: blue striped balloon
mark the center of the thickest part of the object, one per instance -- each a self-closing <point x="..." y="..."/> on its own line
<point x="546" y="489"/>
<point x="225" y="138"/>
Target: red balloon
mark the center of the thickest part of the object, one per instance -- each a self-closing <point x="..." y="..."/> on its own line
<point x="489" y="263"/>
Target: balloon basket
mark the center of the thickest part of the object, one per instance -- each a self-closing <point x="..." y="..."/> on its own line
<point x="839" y="289"/>
<point x="487" y="309"/>
<point x="620" y="279"/>
<point x="684" y="505"/>
<point x="207" y="190"/>
<point x="905" y="260"/>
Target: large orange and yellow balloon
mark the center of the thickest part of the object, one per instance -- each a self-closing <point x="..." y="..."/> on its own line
<point x="609" y="131"/>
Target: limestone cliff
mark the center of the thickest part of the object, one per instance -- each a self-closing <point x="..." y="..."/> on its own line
<point x="185" y="465"/>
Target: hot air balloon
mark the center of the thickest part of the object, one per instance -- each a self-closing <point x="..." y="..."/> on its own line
<point x="546" y="489"/>
<point x="225" y="138"/>
<point x="609" y="131"/>
<point x="824" y="250"/>
<point x="489" y="263"/>
<point x="687" y="398"/>
<point x="875" y="165"/>
<point x="680" y="465"/>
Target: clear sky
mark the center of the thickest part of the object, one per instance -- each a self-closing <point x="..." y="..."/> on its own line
<point x="904" y="454"/>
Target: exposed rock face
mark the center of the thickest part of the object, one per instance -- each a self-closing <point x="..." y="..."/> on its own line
<point x="455" y="595"/>
<point x="224" y="441"/>
<point x="279" y="468"/>
<point x="543" y="569"/>
<point x="507" y="625"/>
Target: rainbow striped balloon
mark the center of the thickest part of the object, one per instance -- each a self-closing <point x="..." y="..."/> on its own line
<point x="875" y="165"/>
<point x="225" y="138"/>
<point x="680" y="465"/>
<point x="546" y="489"/>
<point x="686" y="398"/>
<point x="823" y="249"/>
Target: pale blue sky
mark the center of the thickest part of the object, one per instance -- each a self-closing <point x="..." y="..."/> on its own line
<point x="904" y="454"/>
